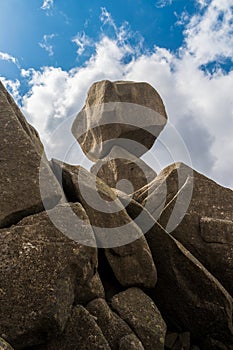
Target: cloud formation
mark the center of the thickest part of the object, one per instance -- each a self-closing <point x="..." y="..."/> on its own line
<point x="82" y="41"/>
<point x="13" y="87"/>
<point x="48" y="47"/>
<point x="6" y="57"/>
<point x="198" y="99"/>
<point x="163" y="3"/>
<point x="47" y="4"/>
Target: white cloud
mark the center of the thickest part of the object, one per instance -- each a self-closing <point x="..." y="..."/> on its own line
<point x="106" y="18"/>
<point x="82" y="41"/>
<point x="163" y="3"/>
<point x="203" y="3"/>
<point x="46" y="45"/>
<point x="6" y="57"/>
<point x="199" y="104"/>
<point x="13" y="87"/>
<point x="209" y="36"/>
<point x="182" y="18"/>
<point x="47" y="4"/>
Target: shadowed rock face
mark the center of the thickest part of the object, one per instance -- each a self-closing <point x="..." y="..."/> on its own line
<point x="131" y="262"/>
<point x="112" y="326"/>
<point x="20" y="161"/>
<point x="123" y="171"/>
<point x="188" y="296"/>
<point x="116" y="112"/>
<point x="204" y="226"/>
<point x="82" y="333"/>
<point x="41" y="270"/>
<point x="139" y="311"/>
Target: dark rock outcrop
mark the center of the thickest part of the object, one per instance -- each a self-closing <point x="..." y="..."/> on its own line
<point x="81" y="333"/>
<point x="25" y="171"/>
<point x="121" y="170"/>
<point x="139" y="311"/>
<point x="41" y="270"/>
<point x="198" y="213"/>
<point x="188" y="296"/>
<point x="132" y="263"/>
<point x="130" y="342"/>
<point x="112" y="326"/>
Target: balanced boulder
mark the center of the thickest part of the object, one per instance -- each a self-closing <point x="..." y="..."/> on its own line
<point x="124" y="113"/>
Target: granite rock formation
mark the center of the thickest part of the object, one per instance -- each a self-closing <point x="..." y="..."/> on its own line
<point x="24" y="168"/>
<point x="116" y="113"/>
<point x="88" y="263"/>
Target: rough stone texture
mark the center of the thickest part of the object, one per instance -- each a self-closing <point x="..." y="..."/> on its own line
<point x="81" y="333"/>
<point x="130" y="342"/>
<point x="40" y="270"/>
<point x="118" y="111"/>
<point x="188" y="296"/>
<point x="122" y="170"/>
<point x="92" y="289"/>
<point x="203" y="229"/>
<point x="20" y="159"/>
<point x="112" y="326"/>
<point x="4" y="345"/>
<point x="208" y="198"/>
<point x="157" y="194"/>
<point x="132" y="263"/>
<point x="100" y="202"/>
<point x="206" y="229"/>
<point x="139" y="311"/>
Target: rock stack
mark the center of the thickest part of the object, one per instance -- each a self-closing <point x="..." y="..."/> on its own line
<point x="120" y="122"/>
<point x="127" y="260"/>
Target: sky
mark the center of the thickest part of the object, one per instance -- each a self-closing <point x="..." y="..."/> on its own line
<point x="51" y="51"/>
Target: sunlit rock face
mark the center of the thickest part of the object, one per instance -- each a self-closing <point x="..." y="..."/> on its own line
<point x="126" y="114"/>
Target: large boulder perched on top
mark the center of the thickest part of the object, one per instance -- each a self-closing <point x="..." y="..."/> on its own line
<point x="24" y="168"/>
<point x="128" y="114"/>
<point x="188" y="296"/>
<point x="127" y="250"/>
<point x="41" y="272"/>
<point x="139" y="311"/>
<point x="122" y="170"/>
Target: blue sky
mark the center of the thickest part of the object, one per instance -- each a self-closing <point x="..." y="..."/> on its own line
<point x="51" y="51"/>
